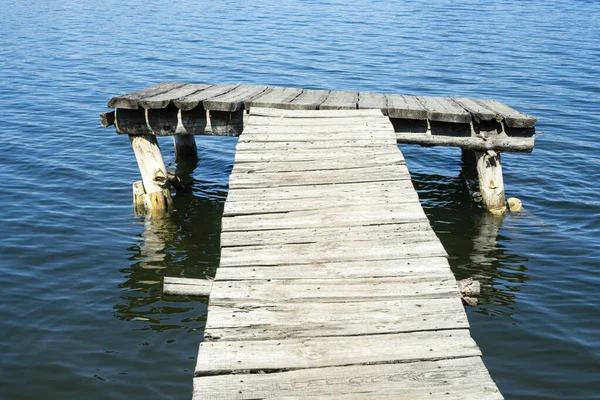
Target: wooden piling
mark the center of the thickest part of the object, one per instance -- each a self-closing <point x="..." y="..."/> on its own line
<point x="157" y="196"/>
<point x="185" y="147"/>
<point x="489" y="182"/>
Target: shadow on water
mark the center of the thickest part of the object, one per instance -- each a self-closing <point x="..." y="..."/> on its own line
<point x="474" y="241"/>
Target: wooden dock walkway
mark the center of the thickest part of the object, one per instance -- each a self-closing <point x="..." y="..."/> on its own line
<point x="332" y="283"/>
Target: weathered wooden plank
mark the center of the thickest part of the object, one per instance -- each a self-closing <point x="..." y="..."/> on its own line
<point x="275" y="135"/>
<point x="326" y="177"/>
<point x="316" y="144"/>
<point x="299" y="320"/>
<point x="337" y="100"/>
<point x="319" y="177"/>
<point x="404" y="268"/>
<point x="311" y="154"/>
<point x="165" y="99"/>
<point x="266" y="206"/>
<point x="318" y="191"/>
<point x="309" y="99"/>
<point x="444" y="110"/>
<point x="130" y="100"/>
<point x="264" y="293"/>
<point x="399" y="234"/>
<point x="234" y="100"/>
<point x="477" y="111"/>
<point x="310" y="114"/>
<point x="276" y="98"/>
<point x="512" y="117"/>
<point x="259" y="122"/>
<point x="344" y="162"/>
<point x="406" y="107"/>
<point x="372" y="100"/>
<point x="186" y="286"/>
<point x="194" y="100"/>
<point x="454" y="379"/>
<point x="338" y="249"/>
<point x="226" y="357"/>
<point x="344" y="216"/>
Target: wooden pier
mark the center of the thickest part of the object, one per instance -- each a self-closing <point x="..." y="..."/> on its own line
<point x="331" y="283"/>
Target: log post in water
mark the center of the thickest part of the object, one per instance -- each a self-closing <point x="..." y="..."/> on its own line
<point x="489" y="174"/>
<point x="185" y="146"/>
<point x="157" y="196"/>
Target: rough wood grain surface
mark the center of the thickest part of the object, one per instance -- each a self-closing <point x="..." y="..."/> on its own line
<point x="453" y="379"/>
<point x="187" y="287"/>
<point x="131" y="100"/>
<point x="317" y="352"/>
<point x="340" y="101"/>
<point x="444" y="110"/>
<point x="372" y="100"/>
<point x="512" y="117"/>
<point x="406" y="107"/>
<point x="276" y="98"/>
<point x="298" y="320"/>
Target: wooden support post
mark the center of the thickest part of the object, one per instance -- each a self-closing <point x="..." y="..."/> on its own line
<point x="185" y="147"/>
<point x="491" y="181"/>
<point x="157" y="196"/>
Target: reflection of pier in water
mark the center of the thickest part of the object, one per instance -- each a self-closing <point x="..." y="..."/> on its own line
<point x="187" y="244"/>
<point x="473" y="241"/>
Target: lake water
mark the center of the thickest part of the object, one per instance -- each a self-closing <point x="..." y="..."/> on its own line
<point x="82" y="314"/>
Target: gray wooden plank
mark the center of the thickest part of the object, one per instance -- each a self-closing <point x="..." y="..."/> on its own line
<point x="299" y="154"/>
<point x="234" y="100"/>
<point x="337" y="100"/>
<point x="196" y="99"/>
<point x="453" y="379"/>
<point x="343" y="216"/>
<point x="236" y="208"/>
<point x="399" y="234"/>
<point x="319" y="191"/>
<point x="512" y="117"/>
<point x="372" y="100"/>
<point x="337" y="249"/>
<point x="276" y="98"/>
<point x="309" y="99"/>
<point x="186" y="286"/>
<point x="266" y="293"/>
<point x="348" y="163"/>
<point x="326" y="177"/>
<point x="478" y="112"/>
<point x="227" y="357"/>
<point x="301" y="320"/>
<point x="130" y="100"/>
<point x="165" y="99"/>
<point x="275" y="135"/>
<point x="311" y="114"/>
<point x="444" y="110"/>
<point x="403" y="268"/>
<point x="406" y="107"/>
<point x="395" y="198"/>
<point x="258" y="122"/>
<point x="315" y="144"/>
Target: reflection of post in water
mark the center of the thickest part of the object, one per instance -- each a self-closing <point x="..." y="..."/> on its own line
<point x="157" y="235"/>
<point x="474" y="240"/>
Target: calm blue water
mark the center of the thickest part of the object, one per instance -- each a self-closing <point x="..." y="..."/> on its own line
<point x="82" y="314"/>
